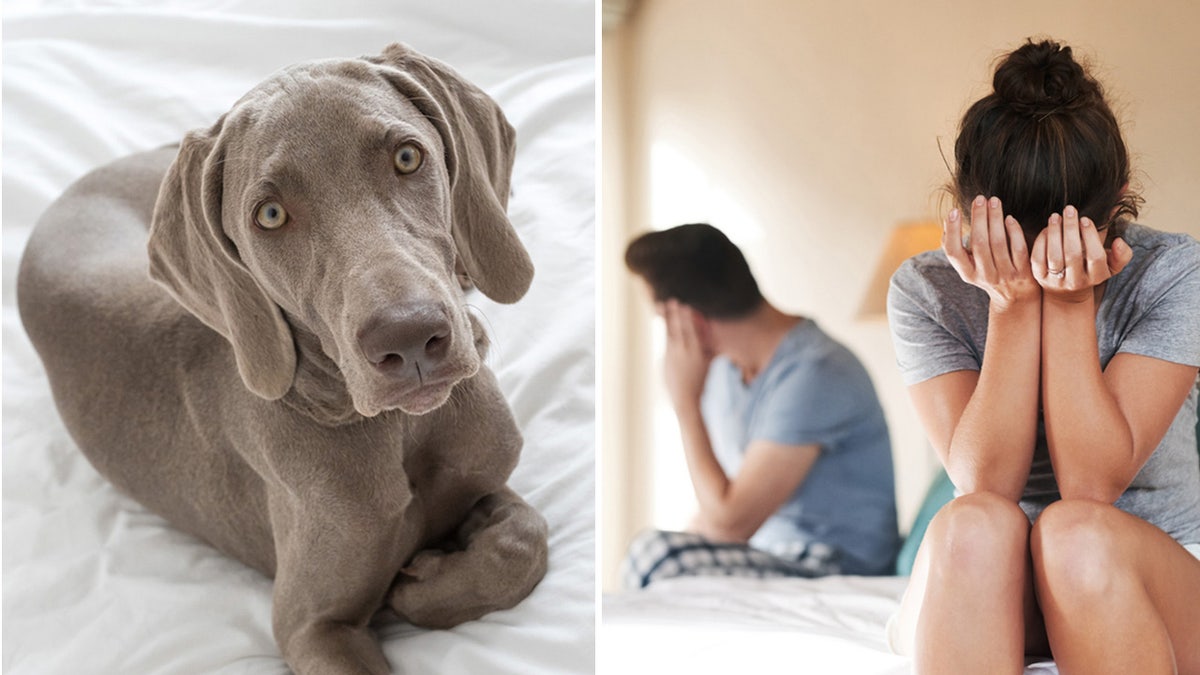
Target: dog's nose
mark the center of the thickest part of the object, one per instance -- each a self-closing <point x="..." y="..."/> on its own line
<point x="404" y="337"/>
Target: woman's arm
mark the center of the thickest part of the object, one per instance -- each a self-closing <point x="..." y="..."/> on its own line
<point x="984" y="424"/>
<point x="1101" y="427"/>
<point x="730" y="510"/>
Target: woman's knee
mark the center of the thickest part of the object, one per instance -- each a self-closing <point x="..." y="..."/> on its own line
<point x="978" y="529"/>
<point x="1075" y="545"/>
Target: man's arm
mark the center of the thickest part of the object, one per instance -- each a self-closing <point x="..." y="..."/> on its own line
<point x="733" y="510"/>
<point x="730" y="510"/>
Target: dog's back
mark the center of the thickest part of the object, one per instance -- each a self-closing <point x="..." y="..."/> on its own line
<point x="107" y="334"/>
<point x="83" y="293"/>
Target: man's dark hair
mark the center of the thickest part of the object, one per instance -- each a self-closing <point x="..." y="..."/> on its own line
<point x="697" y="265"/>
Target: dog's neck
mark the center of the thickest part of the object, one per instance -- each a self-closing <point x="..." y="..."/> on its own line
<point x="319" y="390"/>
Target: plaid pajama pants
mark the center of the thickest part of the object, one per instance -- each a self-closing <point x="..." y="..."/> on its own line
<point x="655" y="554"/>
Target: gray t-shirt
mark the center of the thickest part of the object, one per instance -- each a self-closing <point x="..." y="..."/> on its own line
<point x="1151" y="308"/>
<point x="813" y="391"/>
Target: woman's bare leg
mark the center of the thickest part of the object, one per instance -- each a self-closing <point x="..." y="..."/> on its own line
<point x="1119" y="595"/>
<point x="969" y="604"/>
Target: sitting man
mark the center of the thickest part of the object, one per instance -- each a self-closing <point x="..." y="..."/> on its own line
<point x="785" y="440"/>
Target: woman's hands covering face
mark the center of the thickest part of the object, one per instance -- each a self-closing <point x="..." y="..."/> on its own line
<point x="998" y="259"/>
<point x="1069" y="259"/>
<point x="1067" y="262"/>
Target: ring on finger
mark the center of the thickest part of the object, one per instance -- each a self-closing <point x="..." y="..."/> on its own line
<point x="1056" y="273"/>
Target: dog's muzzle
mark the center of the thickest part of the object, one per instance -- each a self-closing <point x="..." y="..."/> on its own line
<point x="407" y="341"/>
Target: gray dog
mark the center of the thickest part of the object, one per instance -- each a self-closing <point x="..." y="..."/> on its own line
<point x="303" y="386"/>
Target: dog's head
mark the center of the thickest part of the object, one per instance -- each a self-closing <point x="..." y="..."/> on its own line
<point x="343" y="196"/>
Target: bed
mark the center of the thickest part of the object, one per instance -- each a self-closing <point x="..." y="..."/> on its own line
<point x="832" y="624"/>
<point x="94" y="583"/>
<point x="734" y="625"/>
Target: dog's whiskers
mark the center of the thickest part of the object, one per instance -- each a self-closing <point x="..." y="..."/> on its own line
<point x="491" y="334"/>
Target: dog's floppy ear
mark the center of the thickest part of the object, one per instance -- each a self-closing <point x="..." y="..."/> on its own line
<point x="193" y="258"/>
<point x="480" y="147"/>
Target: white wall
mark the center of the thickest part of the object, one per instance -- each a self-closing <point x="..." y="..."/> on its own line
<point x="809" y="129"/>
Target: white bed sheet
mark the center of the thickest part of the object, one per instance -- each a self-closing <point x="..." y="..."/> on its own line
<point x="92" y="582"/>
<point x="832" y="625"/>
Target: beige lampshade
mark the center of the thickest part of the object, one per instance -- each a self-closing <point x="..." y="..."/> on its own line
<point x="906" y="240"/>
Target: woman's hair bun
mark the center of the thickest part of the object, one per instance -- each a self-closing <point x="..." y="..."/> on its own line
<point x="1043" y="78"/>
<point x="1044" y="138"/>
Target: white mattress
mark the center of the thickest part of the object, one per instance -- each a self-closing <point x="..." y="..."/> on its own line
<point x="735" y="625"/>
<point x="92" y="582"/>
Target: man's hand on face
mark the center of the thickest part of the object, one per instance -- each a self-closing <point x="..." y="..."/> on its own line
<point x="688" y="354"/>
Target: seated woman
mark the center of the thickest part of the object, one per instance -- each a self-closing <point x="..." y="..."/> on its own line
<point x="784" y="437"/>
<point x="1052" y="357"/>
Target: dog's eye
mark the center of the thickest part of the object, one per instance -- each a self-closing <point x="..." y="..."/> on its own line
<point x="407" y="158"/>
<point x="270" y="215"/>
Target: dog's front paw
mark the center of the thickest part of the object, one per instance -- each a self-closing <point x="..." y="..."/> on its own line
<point x="429" y="593"/>
<point x="504" y="556"/>
<point x="424" y="566"/>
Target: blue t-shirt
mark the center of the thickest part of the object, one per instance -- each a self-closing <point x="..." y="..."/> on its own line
<point x="813" y="391"/>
